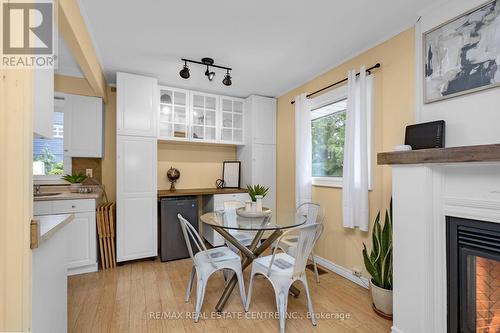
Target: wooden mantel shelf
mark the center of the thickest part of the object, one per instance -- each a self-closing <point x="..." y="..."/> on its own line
<point x="482" y="153"/>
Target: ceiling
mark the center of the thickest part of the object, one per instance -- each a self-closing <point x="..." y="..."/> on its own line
<point x="272" y="46"/>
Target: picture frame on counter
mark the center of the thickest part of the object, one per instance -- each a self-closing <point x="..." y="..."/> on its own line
<point x="231" y="174"/>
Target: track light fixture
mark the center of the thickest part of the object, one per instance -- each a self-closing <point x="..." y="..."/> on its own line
<point x="184" y="73"/>
<point x="209" y="62"/>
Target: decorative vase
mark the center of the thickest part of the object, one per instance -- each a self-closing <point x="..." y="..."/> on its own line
<point x="382" y="299"/>
<point x="258" y="203"/>
<point x="74" y="187"/>
<point x="248" y="205"/>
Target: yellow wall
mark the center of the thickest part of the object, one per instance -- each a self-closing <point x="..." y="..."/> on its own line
<point x="394" y="109"/>
<point x="109" y="159"/>
<point x="16" y="198"/>
<point x="200" y="164"/>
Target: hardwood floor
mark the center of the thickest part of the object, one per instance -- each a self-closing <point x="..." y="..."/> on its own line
<point x="148" y="296"/>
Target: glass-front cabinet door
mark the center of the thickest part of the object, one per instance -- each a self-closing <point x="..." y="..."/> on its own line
<point x="204" y="109"/>
<point x="173" y="118"/>
<point x="232" y="121"/>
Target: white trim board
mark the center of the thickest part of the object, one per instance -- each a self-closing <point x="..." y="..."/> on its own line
<point x="342" y="271"/>
<point x="394" y="329"/>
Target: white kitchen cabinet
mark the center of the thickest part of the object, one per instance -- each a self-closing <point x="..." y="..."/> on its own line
<point x="43" y="102"/>
<point x="137" y="105"/>
<point x="231" y="120"/>
<point x="203" y="117"/>
<point x="258" y="155"/>
<point x="260" y="120"/>
<point x="83" y="126"/>
<point x="50" y="284"/>
<point x="212" y="203"/>
<point x="82" y="250"/>
<point x="136" y="233"/>
<point x="174" y="114"/>
<point x="81" y="231"/>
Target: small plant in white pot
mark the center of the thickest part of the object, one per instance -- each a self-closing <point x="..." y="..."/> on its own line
<point x="379" y="263"/>
<point x="75" y="181"/>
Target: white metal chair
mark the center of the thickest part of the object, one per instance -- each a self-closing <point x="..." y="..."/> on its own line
<point x="282" y="270"/>
<point x="314" y="214"/>
<point x="206" y="262"/>
<point x="244" y="238"/>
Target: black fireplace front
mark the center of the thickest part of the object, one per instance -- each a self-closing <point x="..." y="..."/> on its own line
<point x="473" y="264"/>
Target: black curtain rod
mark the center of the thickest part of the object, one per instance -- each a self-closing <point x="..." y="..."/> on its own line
<point x="377" y="65"/>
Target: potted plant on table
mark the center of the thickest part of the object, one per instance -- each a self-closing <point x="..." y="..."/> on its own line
<point x="256" y="193"/>
<point x="379" y="264"/>
<point x="75" y="181"/>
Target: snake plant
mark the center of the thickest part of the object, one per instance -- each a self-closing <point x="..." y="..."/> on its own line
<point x="257" y="190"/>
<point x="379" y="262"/>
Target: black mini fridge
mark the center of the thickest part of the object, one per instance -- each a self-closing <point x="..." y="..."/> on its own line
<point x="172" y="243"/>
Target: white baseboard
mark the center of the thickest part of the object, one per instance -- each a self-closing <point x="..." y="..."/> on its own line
<point x="342" y="271"/>
<point x="394" y="329"/>
<point x="82" y="270"/>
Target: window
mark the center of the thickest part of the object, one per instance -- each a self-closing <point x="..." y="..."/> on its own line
<point x="328" y="117"/>
<point x="49" y="162"/>
<point x="328" y="134"/>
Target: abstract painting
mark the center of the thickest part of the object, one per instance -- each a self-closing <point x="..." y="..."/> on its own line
<point x="463" y="55"/>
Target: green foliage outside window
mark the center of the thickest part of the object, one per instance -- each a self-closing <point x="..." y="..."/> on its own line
<point x="328" y="136"/>
<point x="48" y="158"/>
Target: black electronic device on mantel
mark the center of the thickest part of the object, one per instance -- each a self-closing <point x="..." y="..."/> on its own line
<point x="425" y="135"/>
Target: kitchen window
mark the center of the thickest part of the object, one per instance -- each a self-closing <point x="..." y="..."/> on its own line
<point x="328" y="120"/>
<point x="49" y="160"/>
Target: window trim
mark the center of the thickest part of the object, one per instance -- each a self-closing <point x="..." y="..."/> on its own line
<point x="59" y="102"/>
<point x="334" y="96"/>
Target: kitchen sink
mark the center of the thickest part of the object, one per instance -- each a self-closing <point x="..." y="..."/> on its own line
<point x="38" y="195"/>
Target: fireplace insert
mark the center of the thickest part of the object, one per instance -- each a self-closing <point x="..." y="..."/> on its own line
<point x="473" y="269"/>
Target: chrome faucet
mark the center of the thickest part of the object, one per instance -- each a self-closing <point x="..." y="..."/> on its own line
<point x="36" y="189"/>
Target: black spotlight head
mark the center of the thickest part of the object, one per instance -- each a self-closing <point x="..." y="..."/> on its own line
<point x="184" y="73"/>
<point x="227" y="80"/>
<point x="209" y="74"/>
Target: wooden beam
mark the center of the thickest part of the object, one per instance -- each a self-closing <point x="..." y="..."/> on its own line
<point x="73" y="85"/>
<point x="73" y="30"/>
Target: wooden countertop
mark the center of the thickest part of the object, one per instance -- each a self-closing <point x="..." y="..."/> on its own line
<point x="481" y="153"/>
<point x="44" y="226"/>
<point x="199" y="191"/>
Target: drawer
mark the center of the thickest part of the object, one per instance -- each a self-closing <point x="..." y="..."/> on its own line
<point x="73" y="206"/>
<point x="42" y="208"/>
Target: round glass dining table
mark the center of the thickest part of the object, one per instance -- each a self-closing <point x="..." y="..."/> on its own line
<point x="259" y="226"/>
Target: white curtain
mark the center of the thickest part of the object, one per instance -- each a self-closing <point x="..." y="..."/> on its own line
<point x="356" y="151"/>
<point x="303" y="150"/>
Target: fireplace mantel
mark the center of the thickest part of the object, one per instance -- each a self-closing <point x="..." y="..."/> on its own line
<point x="481" y="153"/>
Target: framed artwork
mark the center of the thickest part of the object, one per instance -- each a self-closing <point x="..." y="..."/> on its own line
<point x="231" y="174"/>
<point x="462" y="55"/>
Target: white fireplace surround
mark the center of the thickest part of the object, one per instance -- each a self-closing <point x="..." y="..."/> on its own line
<point x="423" y="195"/>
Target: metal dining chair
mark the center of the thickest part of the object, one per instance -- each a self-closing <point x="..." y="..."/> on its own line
<point x="282" y="270"/>
<point x="206" y="262"/>
<point x="313" y="214"/>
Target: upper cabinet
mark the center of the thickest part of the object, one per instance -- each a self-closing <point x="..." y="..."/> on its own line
<point x="137" y="105"/>
<point x="261" y="120"/>
<point x="174" y="114"/>
<point x="186" y="115"/>
<point x="43" y="102"/>
<point x="83" y="126"/>
<point x="231" y="116"/>
<point x="204" y="110"/>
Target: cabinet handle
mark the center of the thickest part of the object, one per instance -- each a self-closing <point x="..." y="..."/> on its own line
<point x="66" y="150"/>
<point x="73" y="206"/>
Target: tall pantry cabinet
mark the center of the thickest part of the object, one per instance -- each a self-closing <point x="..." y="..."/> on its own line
<point x="258" y="155"/>
<point x="136" y="164"/>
